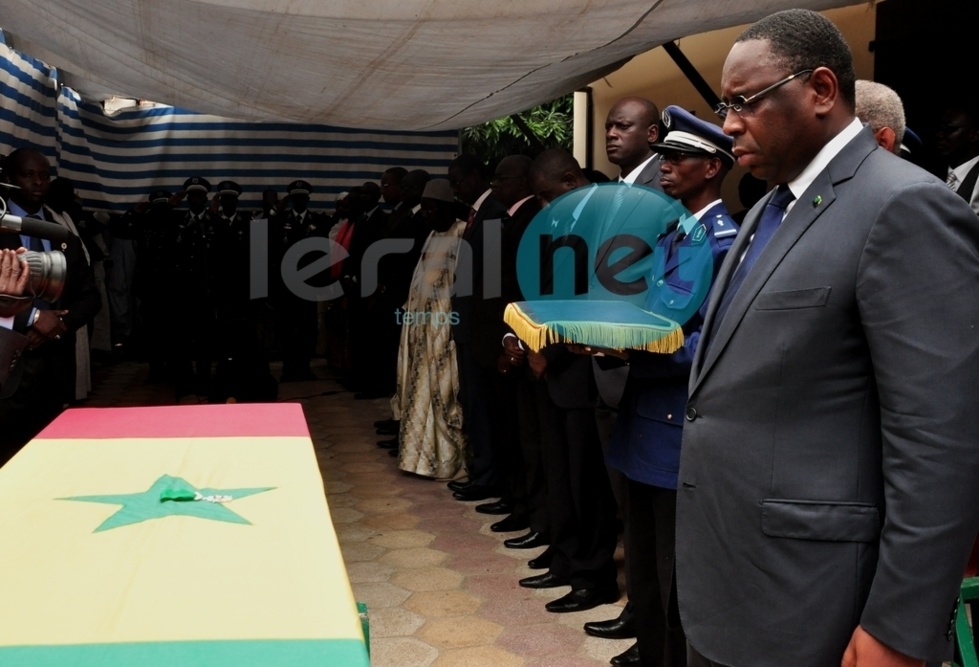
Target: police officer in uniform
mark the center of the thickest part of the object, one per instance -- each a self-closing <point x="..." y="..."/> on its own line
<point x="190" y="277"/>
<point x="295" y="317"/>
<point x="645" y="444"/>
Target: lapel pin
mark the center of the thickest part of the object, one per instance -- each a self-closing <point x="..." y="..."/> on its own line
<point x="817" y="200"/>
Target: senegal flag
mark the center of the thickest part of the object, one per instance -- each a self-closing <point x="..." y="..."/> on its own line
<point x="190" y="535"/>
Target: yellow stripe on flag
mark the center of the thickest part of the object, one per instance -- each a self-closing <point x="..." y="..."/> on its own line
<point x="173" y="578"/>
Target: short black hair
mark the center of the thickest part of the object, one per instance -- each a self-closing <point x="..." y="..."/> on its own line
<point x="397" y="172"/>
<point x="802" y="39"/>
<point x="553" y="163"/>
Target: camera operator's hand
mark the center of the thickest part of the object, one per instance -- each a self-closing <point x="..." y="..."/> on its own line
<point x="47" y="326"/>
<point x="13" y="282"/>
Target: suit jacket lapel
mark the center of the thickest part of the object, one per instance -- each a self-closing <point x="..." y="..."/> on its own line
<point x="808" y="208"/>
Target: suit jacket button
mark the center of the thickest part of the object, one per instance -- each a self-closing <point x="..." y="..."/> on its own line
<point x="691" y="413"/>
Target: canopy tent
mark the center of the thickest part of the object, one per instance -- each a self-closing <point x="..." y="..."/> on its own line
<point x="382" y="64"/>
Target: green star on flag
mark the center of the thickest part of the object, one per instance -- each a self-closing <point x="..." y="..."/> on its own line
<point x="170" y="496"/>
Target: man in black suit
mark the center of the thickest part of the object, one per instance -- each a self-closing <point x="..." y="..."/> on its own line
<point x="469" y="184"/>
<point x="44" y="380"/>
<point x="580" y="505"/>
<point x="827" y="498"/>
<point x="493" y="424"/>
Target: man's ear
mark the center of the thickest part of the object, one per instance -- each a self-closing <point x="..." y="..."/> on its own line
<point x="653" y="135"/>
<point x="713" y="166"/>
<point x="886" y="139"/>
<point x="826" y="90"/>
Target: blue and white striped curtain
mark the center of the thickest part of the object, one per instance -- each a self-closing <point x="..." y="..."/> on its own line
<point x="116" y="161"/>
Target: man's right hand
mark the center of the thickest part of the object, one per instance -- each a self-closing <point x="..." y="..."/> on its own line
<point x="515" y="354"/>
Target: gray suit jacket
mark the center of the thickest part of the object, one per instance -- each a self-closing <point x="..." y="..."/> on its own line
<point x="831" y="444"/>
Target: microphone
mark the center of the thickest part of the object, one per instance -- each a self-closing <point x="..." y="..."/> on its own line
<point x="33" y="227"/>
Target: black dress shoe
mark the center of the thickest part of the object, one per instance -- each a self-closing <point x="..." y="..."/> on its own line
<point x="388" y="444"/>
<point x="546" y="580"/>
<point x="583" y="599"/>
<point x="474" y="492"/>
<point x="386" y="423"/>
<point x="511" y="524"/>
<point x="528" y="541"/>
<point x="617" y="628"/>
<point x="394" y="452"/>
<point x="387" y="430"/>
<point x="629" y="657"/>
<point x="499" y="507"/>
<point x="458" y="484"/>
<point x="542" y="562"/>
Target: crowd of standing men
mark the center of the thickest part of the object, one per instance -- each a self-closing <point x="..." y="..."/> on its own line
<point x="796" y="482"/>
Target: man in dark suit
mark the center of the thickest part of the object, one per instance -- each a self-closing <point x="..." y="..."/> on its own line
<point x="44" y="379"/>
<point x="579" y="501"/>
<point x="493" y="288"/>
<point x="827" y="500"/>
<point x="631" y="127"/>
<point x="466" y="175"/>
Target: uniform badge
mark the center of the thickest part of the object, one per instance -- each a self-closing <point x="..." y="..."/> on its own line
<point x="699" y="234"/>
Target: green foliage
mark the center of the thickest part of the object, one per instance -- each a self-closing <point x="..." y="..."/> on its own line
<point x="551" y="123"/>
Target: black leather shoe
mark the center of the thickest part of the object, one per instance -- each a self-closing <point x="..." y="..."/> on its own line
<point x="394" y="452"/>
<point x="529" y="541"/>
<point x="458" y="484"/>
<point x="499" y="507"/>
<point x="546" y="580"/>
<point x="473" y="492"/>
<point x="629" y="657"/>
<point x="542" y="562"/>
<point x="388" y="444"/>
<point x="386" y="423"/>
<point x="617" y="628"/>
<point x="583" y="599"/>
<point x="387" y="430"/>
<point x="511" y="524"/>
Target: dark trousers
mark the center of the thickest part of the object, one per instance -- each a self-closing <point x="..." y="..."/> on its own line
<point x="650" y="551"/>
<point x="580" y="506"/>
<point x="479" y="415"/>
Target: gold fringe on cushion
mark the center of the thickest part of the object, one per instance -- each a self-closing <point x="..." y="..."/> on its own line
<point x="616" y="336"/>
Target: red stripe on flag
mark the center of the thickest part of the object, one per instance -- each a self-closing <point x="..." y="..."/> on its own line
<point x="178" y="421"/>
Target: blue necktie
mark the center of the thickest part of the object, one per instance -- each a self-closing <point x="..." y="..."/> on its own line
<point x="771" y="218"/>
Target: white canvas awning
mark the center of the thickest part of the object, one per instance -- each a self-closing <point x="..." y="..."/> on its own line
<point x="383" y="64"/>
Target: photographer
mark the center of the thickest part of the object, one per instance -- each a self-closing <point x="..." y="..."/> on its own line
<point x="43" y="380"/>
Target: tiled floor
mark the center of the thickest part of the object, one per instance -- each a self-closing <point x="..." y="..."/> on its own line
<point x="440" y="586"/>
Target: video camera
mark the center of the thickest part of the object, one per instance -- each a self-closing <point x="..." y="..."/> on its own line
<point x="47" y="269"/>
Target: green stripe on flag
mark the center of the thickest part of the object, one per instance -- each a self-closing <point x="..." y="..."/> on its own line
<point x="244" y="653"/>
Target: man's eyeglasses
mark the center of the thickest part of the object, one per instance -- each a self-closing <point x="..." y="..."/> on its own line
<point x="742" y="105"/>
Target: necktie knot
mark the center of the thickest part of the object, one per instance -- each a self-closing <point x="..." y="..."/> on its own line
<point x="781" y="198"/>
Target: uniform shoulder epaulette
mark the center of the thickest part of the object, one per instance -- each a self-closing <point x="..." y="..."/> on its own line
<point x="722" y="230"/>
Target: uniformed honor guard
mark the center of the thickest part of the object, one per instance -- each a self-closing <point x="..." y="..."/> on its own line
<point x="190" y="277"/>
<point x="295" y="317"/>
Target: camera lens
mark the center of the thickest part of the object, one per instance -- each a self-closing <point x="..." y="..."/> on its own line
<point x="47" y="273"/>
